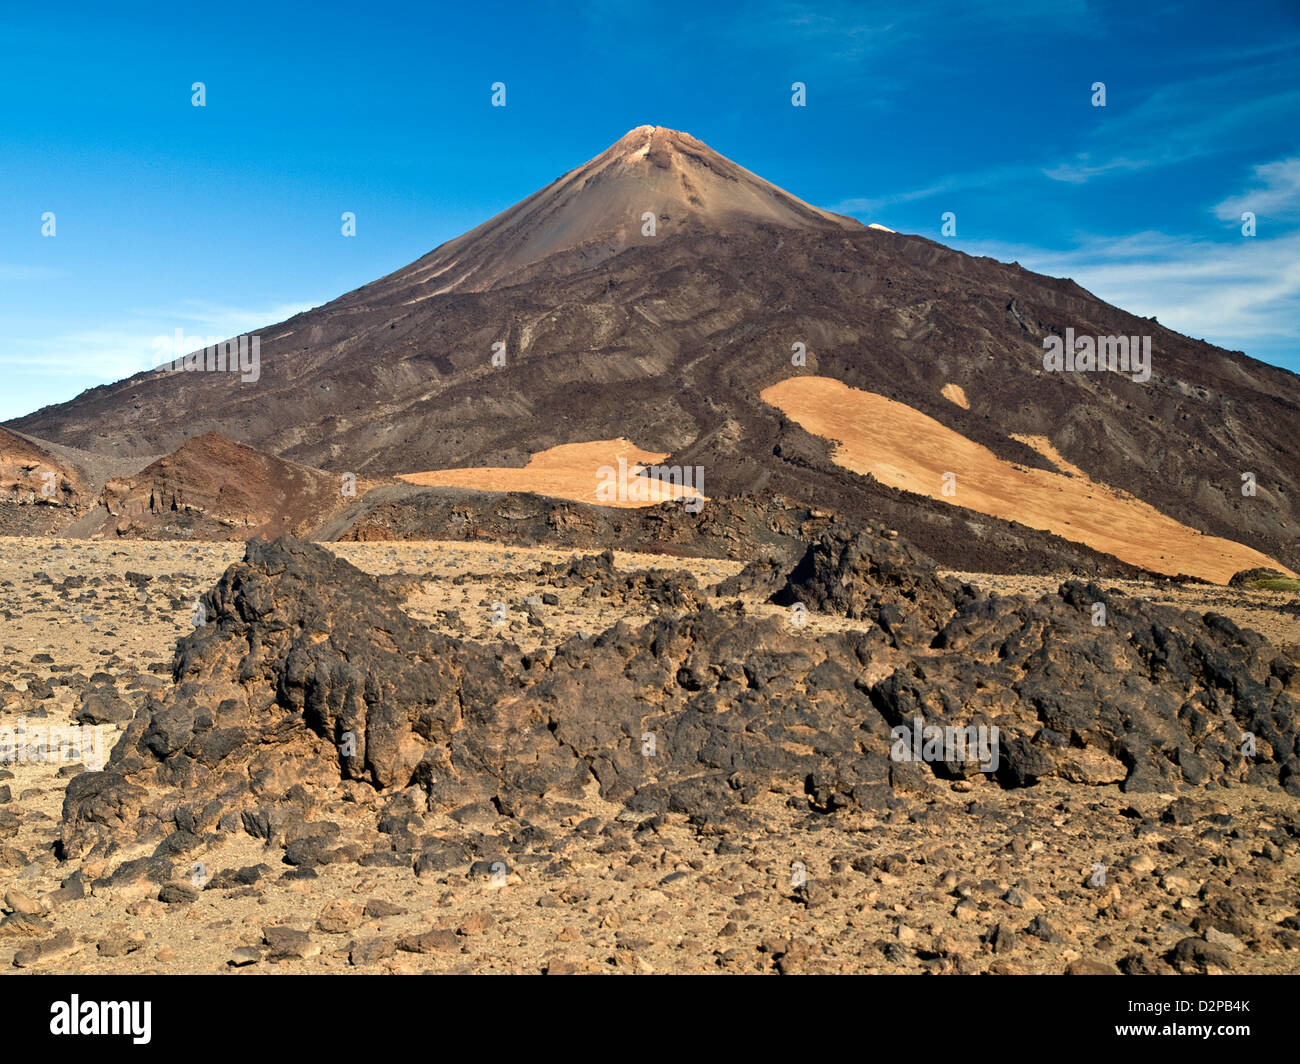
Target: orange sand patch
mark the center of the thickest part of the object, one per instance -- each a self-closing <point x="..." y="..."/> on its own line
<point x="1044" y="446"/>
<point x="569" y="471"/>
<point x="954" y="393"/>
<point x="905" y="449"/>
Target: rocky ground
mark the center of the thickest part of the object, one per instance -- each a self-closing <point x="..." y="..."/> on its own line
<point x="1273" y="614"/>
<point x="524" y="827"/>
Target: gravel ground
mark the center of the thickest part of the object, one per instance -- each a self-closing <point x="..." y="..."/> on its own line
<point x="958" y="876"/>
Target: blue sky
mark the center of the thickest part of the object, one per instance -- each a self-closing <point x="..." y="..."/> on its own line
<point x="222" y="219"/>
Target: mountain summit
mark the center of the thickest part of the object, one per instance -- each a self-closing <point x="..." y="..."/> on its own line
<point x="778" y="348"/>
<point x="652" y="183"/>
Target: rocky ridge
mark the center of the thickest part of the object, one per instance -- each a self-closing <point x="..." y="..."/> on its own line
<point x="309" y="676"/>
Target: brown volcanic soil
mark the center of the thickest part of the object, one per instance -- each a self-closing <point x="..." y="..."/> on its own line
<point x="904" y="448"/>
<point x="947" y="876"/>
<point x="214" y="488"/>
<point x="670" y="342"/>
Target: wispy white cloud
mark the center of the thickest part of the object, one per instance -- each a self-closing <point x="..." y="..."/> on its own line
<point x="123" y="348"/>
<point x="12" y="271"/>
<point x="220" y="320"/>
<point x="1083" y="169"/>
<point x="846" y="32"/>
<point x="862" y="205"/>
<point x="1237" y="295"/>
<point x="1185" y="120"/>
<point x="999" y="176"/>
<point x="1277" y="197"/>
<point x="852" y="28"/>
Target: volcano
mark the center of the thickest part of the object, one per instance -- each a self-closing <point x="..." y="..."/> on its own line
<point x="661" y="294"/>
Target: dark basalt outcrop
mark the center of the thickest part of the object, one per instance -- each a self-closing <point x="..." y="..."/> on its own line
<point x="598" y="578"/>
<point x="736" y="526"/>
<point x="863" y="576"/>
<point x="308" y="674"/>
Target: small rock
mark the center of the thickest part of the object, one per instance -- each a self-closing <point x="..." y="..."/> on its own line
<point x="339" y="917"/>
<point x="20" y="924"/>
<point x="1001" y="938"/>
<point x="371" y="951"/>
<point x="1195" y="955"/>
<point x="1140" y="864"/>
<point x="474" y="923"/>
<point x="57" y="948"/>
<point x="1088" y="966"/>
<point x="17" y="901"/>
<point x="429" y="942"/>
<point x="1224" y="941"/>
<point x="288" y="943"/>
<point x="178" y="894"/>
<point x="121" y="943"/>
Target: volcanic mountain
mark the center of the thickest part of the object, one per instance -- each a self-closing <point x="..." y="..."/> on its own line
<point x="665" y="296"/>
